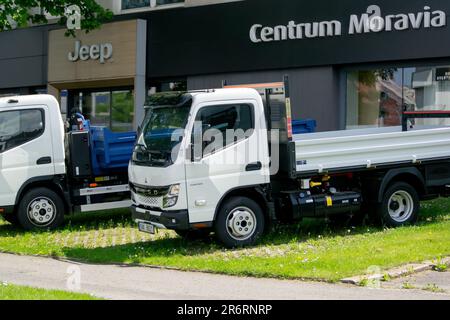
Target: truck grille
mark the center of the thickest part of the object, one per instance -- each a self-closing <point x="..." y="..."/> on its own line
<point x="149" y="201"/>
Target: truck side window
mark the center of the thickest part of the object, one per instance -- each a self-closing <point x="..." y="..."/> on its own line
<point x="19" y="127"/>
<point x="224" y="125"/>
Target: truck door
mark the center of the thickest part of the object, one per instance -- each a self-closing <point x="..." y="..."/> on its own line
<point x="25" y="149"/>
<point x="224" y="162"/>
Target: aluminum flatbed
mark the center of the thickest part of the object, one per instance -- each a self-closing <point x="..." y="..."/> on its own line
<point x="369" y="148"/>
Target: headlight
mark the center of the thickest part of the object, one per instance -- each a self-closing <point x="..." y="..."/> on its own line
<point x="170" y="201"/>
<point x="171" y="198"/>
<point x="174" y="190"/>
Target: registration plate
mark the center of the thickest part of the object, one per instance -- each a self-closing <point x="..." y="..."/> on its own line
<point x="146" y="227"/>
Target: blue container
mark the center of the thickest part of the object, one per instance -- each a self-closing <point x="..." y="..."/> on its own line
<point x="111" y="152"/>
<point x="304" y="126"/>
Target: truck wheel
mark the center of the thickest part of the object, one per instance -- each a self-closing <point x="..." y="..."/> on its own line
<point x="240" y="222"/>
<point x="400" y="205"/>
<point x="41" y="208"/>
<point x="192" y="235"/>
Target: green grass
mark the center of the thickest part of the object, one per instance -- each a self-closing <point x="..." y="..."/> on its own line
<point x="13" y="292"/>
<point x="408" y="286"/>
<point x="433" y="288"/>
<point x="312" y="249"/>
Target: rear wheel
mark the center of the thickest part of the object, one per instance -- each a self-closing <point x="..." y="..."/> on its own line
<point x="240" y="222"/>
<point x="41" y="208"/>
<point x="400" y="205"/>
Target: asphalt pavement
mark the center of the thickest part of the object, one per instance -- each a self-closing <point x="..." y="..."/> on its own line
<point x="143" y="283"/>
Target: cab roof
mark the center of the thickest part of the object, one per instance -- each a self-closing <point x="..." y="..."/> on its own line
<point x="225" y="94"/>
<point x="29" y="100"/>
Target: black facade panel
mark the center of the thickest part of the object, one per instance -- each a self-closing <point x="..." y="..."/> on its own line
<point x="23" y="57"/>
<point x="214" y="39"/>
<point x="23" y="72"/>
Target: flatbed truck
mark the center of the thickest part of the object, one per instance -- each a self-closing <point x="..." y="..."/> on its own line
<point x="189" y="184"/>
<point x="47" y="173"/>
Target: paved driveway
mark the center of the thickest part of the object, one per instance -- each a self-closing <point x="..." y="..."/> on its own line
<point x="124" y="282"/>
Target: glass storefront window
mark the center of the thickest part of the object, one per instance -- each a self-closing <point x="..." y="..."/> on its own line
<point x="97" y="108"/>
<point x="122" y="111"/>
<point x="428" y="89"/>
<point x="113" y="109"/>
<point x="376" y="97"/>
<point x="177" y="85"/>
<point x="133" y="4"/>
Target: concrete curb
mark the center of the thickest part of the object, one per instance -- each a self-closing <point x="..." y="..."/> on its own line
<point x="398" y="272"/>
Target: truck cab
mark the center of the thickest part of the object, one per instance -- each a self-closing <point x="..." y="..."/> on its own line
<point x="228" y="161"/>
<point x="202" y="158"/>
<point x="31" y="152"/>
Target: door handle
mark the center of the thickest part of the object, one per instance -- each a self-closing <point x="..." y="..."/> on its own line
<point x="256" y="166"/>
<point x="44" y="160"/>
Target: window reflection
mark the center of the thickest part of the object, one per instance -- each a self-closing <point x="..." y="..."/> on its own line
<point x="112" y="109"/>
<point x="430" y="91"/>
<point x="375" y="98"/>
<point x="133" y="4"/>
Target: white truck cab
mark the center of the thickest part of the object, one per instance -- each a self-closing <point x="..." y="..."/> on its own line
<point x="31" y="151"/>
<point x="172" y="187"/>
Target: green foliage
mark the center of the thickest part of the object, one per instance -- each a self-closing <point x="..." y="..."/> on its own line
<point x="433" y="288"/>
<point x="408" y="286"/>
<point x="440" y="266"/>
<point x="386" y="277"/>
<point x="369" y="78"/>
<point x="21" y="13"/>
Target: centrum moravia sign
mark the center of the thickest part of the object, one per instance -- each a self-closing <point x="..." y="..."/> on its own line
<point x="371" y="21"/>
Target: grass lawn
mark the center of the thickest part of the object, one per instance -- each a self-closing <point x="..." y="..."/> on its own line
<point x="312" y="249"/>
<point x="13" y="292"/>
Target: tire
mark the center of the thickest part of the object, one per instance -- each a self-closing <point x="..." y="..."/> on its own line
<point x="240" y="222"/>
<point x="192" y="235"/>
<point x="400" y="206"/>
<point x="41" y="209"/>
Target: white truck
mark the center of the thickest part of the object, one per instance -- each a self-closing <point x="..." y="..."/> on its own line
<point x="186" y="175"/>
<point x="46" y="173"/>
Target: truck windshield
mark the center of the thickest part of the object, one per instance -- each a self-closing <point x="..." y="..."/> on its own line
<point x="162" y="129"/>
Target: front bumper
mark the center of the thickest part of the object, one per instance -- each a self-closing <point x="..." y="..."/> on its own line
<point x="173" y="220"/>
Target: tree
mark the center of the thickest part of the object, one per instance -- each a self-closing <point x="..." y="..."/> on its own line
<point x="21" y="13"/>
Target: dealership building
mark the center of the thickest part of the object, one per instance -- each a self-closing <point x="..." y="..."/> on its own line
<point x="351" y="63"/>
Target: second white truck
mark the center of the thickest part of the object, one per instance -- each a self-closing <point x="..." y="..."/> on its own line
<point x="47" y="173"/>
<point x="226" y="161"/>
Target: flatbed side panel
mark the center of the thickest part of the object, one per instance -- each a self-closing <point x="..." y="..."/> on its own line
<point x="104" y="206"/>
<point x="103" y="190"/>
<point x="341" y="149"/>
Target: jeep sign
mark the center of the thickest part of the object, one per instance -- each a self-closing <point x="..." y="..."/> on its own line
<point x="100" y="52"/>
